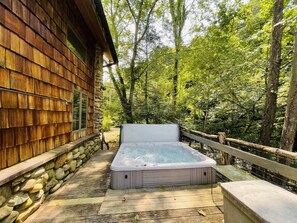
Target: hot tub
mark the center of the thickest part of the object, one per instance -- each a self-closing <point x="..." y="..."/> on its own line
<point x="152" y="156"/>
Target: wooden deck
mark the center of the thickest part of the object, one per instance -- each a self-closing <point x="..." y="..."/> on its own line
<point x="129" y="201"/>
<point x="182" y="204"/>
<point x="86" y="197"/>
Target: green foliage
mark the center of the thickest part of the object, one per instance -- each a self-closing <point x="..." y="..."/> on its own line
<point x="222" y="71"/>
<point x="107" y="123"/>
<point x="112" y="113"/>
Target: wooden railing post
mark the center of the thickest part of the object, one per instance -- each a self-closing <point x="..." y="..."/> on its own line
<point x="201" y="145"/>
<point x="224" y="156"/>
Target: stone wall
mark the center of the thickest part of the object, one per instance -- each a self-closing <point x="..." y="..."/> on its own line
<point x="20" y="197"/>
<point x="98" y="93"/>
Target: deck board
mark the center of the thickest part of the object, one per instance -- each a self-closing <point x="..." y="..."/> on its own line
<point x="161" y="199"/>
<point x="234" y="173"/>
<point x="158" y="192"/>
<point x="213" y="214"/>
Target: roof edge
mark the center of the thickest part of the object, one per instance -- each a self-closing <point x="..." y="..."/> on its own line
<point x="101" y="14"/>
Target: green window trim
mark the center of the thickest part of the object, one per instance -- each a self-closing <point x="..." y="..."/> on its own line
<point x="79" y="111"/>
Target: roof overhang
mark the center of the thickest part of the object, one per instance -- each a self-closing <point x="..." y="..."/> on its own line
<point x="93" y="14"/>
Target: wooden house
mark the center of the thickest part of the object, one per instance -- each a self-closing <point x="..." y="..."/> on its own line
<point x="51" y="61"/>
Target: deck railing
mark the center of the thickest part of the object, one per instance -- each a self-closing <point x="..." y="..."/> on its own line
<point x="272" y="164"/>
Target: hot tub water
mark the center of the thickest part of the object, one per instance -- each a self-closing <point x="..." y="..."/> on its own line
<point x="162" y="153"/>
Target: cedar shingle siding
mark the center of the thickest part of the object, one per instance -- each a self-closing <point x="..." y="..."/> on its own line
<point x="38" y="75"/>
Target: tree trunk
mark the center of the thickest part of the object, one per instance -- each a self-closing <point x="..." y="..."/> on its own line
<point x="178" y="15"/>
<point x="141" y="12"/>
<point x="290" y="124"/>
<point x="146" y="98"/>
<point x="127" y="108"/>
<point x="175" y="80"/>
<point x="273" y="78"/>
<point x="294" y="149"/>
<point x="121" y="91"/>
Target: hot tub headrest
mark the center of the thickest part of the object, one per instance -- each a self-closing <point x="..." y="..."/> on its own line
<point x="132" y="133"/>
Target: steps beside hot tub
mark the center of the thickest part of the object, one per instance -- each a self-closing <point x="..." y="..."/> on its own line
<point x="258" y="201"/>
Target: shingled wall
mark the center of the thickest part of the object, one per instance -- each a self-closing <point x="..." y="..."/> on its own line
<point x="38" y="74"/>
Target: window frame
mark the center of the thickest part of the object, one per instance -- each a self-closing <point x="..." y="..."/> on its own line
<point x="80" y="105"/>
<point x="83" y="58"/>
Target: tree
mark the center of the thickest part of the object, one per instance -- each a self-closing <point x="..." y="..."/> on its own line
<point x="151" y="37"/>
<point x="221" y="86"/>
<point x="270" y="106"/>
<point x="129" y="31"/>
<point x="290" y="124"/>
<point x="178" y="17"/>
<point x="221" y="72"/>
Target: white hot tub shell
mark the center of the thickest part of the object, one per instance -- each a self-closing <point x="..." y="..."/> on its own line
<point x="152" y="156"/>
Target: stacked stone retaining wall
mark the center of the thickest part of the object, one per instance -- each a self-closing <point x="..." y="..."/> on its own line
<point x="20" y="197"/>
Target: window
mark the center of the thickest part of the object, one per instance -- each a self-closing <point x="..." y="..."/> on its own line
<point x="79" y="112"/>
<point x="75" y="45"/>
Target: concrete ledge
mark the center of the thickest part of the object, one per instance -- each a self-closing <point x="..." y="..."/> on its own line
<point x="19" y="169"/>
<point x="258" y="201"/>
